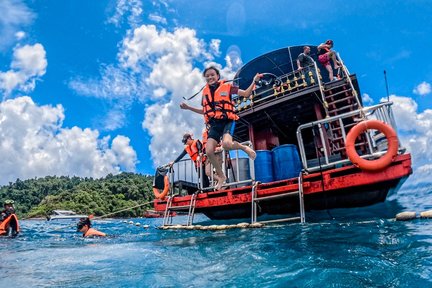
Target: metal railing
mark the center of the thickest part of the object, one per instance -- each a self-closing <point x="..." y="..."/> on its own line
<point x="334" y="155"/>
<point x="185" y="171"/>
<point x="277" y="86"/>
<point x="290" y="83"/>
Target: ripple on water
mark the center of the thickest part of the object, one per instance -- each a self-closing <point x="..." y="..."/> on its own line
<point x="356" y="251"/>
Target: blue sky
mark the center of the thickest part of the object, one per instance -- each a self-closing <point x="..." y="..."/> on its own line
<point x="93" y="87"/>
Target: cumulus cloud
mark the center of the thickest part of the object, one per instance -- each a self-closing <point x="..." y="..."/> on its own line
<point x="20" y="35"/>
<point x="28" y="65"/>
<point x="130" y="9"/>
<point x="33" y="143"/>
<point x="15" y="14"/>
<point x="367" y="99"/>
<point x="423" y="88"/>
<point x="158" y="68"/>
<point x="170" y="59"/>
<point x="113" y="83"/>
<point x="415" y="133"/>
<point x="157" y="18"/>
<point x="215" y="46"/>
<point x="115" y="118"/>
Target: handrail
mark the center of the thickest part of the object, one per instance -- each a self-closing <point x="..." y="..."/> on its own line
<point x="288" y="83"/>
<point x="354" y="91"/>
<point x="321" y="88"/>
<point x="380" y="111"/>
<point x="199" y="180"/>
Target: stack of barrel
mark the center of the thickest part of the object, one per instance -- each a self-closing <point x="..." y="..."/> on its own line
<point x="282" y="162"/>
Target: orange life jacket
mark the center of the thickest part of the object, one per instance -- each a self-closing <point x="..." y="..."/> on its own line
<point x="220" y="106"/>
<point x="5" y="224"/>
<point x="204" y="138"/>
<point x="192" y="150"/>
<point x="94" y="232"/>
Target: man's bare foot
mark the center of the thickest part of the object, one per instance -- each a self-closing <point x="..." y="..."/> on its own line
<point x="251" y="153"/>
<point x="221" y="181"/>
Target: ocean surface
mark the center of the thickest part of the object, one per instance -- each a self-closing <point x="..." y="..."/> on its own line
<point x="362" y="247"/>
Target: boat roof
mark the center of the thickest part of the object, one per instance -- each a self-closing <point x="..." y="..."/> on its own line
<point x="278" y="62"/>
<point x="63" y="212"/>
<point x="285" y="112"/>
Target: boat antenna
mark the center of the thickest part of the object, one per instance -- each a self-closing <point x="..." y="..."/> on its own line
<point x="191" y="97"/>
<point x="387" y="90"/>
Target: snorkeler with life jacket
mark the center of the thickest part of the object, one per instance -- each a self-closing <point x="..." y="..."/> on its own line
<point x="194" y="148"/>
<point x="9" y="225"/>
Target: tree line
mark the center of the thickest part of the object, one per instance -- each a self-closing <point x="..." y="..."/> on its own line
<point x="38" y="197"/>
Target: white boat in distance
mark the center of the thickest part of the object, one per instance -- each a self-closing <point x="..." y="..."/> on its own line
<point x="64" y="214"/>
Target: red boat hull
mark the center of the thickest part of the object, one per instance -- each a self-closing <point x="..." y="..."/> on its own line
<point x="344" y="187"/>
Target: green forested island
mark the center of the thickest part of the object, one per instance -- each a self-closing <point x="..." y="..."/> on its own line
<point x="38" y="197"/>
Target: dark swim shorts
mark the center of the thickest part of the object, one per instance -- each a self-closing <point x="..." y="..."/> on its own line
<point x="219" y="127"/>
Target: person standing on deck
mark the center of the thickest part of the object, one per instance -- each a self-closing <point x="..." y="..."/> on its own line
<point x="305" y="64"/>
<point x="195" y="150"/>
<point x="219" y="114"/>
<point x="325" y="54"/>
<point x="304" y="60"/>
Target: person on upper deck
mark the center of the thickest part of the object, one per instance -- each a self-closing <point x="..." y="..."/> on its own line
<point x="304" y="60"/>
<point x="219" y="114"/>
<point x="325" y="54"/>
<point x="194" y="148"/>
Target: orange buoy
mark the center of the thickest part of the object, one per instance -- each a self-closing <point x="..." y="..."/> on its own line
<point x="161" y="195"/>
<point x="372" y="165"/>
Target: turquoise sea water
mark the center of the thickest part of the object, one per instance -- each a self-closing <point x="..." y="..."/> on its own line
<point x="361" y="247"/>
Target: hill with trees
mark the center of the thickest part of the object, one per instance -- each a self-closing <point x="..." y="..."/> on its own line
<point x="38" y="197"/>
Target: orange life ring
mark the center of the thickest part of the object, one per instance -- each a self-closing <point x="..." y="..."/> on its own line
<point x="161" y="195"/>
<point x="372" y="165"/>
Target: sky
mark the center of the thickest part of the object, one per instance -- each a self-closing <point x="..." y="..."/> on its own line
<point x="93" y="87"/>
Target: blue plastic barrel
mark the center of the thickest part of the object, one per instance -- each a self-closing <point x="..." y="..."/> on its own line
<point x="241" y="154"/>
<point x="264" y="166"/>
<point x="286" y="162"/>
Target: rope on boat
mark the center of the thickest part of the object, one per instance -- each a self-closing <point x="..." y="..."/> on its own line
<point x="109" y="214"/>
<point x="122" y="210"/>
<point x="202" y="88"/>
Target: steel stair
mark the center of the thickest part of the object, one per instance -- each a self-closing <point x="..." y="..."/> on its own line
<point x="299" y="193"/>
<point x="190" y="208"/>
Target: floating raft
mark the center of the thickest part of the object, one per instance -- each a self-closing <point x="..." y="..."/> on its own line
<point x="212" y="227"/>
<point x="405" y="216"/>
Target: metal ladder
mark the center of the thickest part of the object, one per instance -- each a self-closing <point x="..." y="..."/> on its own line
<point x="299" y="192"/>
<point x="341" y="99"/>
<point x="190" y="208"/>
